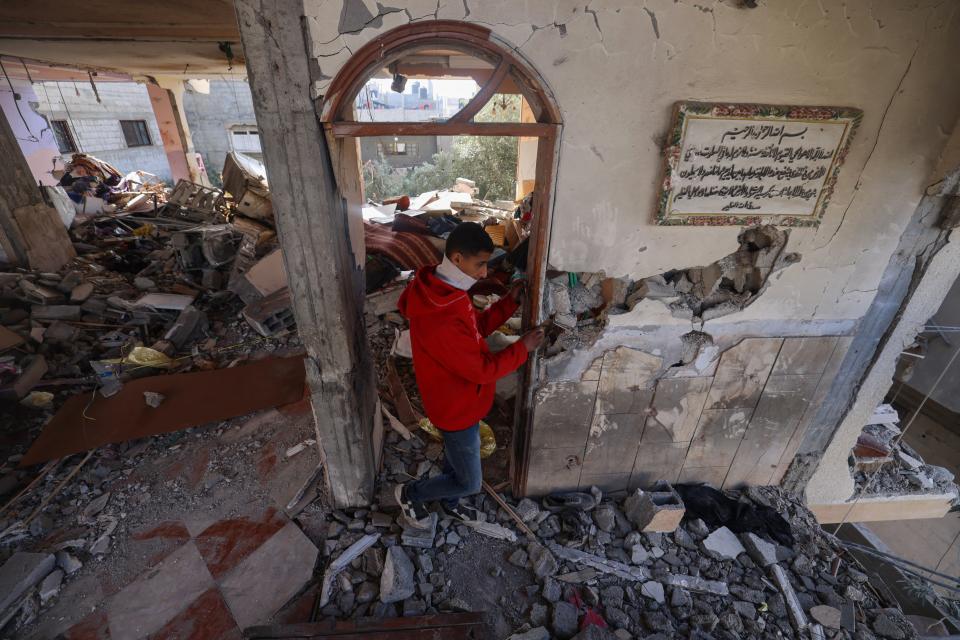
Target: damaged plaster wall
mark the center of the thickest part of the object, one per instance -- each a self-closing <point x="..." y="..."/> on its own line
<point x="892" y="61"/>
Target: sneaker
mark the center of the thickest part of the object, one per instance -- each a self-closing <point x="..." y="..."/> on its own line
<point x="413" y="513"/>
<point x="462" y="512"/>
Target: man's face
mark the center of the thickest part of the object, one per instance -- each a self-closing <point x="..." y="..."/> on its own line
<point x="474" y="266"/>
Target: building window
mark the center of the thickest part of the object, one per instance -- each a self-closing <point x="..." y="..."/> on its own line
<point x="246" y="140"/>
<point x="397" y="148"/>
<point x="61" y="131"/>
<point x="135" y="133"/>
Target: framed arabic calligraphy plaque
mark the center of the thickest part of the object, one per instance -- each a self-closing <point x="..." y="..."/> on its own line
<point x="746" y="164"/>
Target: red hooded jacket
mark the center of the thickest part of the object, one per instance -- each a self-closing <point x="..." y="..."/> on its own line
<point x="456" y="372"/>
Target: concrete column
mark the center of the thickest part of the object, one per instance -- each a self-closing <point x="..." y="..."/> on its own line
<point x="166" y="96"/>
<point x="31" y="232"/>
<point x="325" y="282"/>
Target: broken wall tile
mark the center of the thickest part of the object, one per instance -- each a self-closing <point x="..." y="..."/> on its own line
<point x="562" y="415"/>
<point x="677" y="403"/>
<point x="782" y="405"/>
<point x="810" y="415"/>
<point x="626" y="378"/>
<point x="658" y="461"/>
<point x="554" y="470"/>
<point x="717" y="438"/>
<point x="714" y="476"/>
<point x="742" y="372"/>
<point x="612" y="444"/>
<point x="804" y="356"/>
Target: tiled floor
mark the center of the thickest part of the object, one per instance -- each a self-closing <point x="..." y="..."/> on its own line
<point x="231" y="574"/>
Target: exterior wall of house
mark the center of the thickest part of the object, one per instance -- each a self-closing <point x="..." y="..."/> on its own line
<point x="96" y="124"/>
<point x="426" y="147"/>
<point x="212" y="116"/>
<point x="612" y="410"/>
<point x="33" y="133"/>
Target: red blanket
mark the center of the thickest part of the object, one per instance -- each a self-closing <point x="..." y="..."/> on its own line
<point x="408" y="250"/>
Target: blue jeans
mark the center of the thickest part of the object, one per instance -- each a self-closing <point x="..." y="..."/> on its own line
<point x="461" y="476"/>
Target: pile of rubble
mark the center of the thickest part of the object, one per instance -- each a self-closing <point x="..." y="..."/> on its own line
<point x="191" y="282"/>
<point x="602" y="566"/>
<point x="884" y="464"/>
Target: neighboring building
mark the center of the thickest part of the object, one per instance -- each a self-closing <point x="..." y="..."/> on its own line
<point x="222" y="121"/>
<point x="401" y="151"/>
<point x="115" y="123"/>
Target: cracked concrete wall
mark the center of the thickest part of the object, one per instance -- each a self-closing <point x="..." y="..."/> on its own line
<point x="894" y="61"/>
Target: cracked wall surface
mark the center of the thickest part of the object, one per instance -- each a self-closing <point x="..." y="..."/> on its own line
<point x="624" y="65"/>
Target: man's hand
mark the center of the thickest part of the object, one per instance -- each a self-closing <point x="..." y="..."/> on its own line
<point x="533" y="338"/>
<point x="517" y="290"/>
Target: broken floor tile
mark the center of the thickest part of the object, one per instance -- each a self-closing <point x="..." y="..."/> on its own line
<point x="272" y="574"/>
<point x="147" y="604"/>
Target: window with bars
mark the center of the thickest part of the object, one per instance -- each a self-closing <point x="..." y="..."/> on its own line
<point x="135" y="133"/>
<point x="63" y="136"/>
<point x="397" y="148"/>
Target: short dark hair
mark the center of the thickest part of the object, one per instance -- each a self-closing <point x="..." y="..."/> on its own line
<point x="469" y="239"/>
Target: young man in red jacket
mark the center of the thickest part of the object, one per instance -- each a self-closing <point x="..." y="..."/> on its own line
<point x="456" y="372"/>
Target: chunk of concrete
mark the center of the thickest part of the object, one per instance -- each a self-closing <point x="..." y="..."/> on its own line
<point x="542" y="561"/>
<point x="724" y="544"/>
<point x="50" y="586"/>
<point x="20" y="573"/>
<point x="68" y="563"/>
<point x="563" y="620"/>
<point x="396" y="581"/>
<point x="539" y="633"/>
<point x="658" y="510"/>
<point x="827" y="616"/>
<point x="653" y="589"/>
<point x="762" y="552"/>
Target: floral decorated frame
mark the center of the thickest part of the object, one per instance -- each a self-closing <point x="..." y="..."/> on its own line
<point x="760" y="113"/>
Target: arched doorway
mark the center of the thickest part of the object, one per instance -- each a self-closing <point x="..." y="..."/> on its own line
<point x="450" y="49"/>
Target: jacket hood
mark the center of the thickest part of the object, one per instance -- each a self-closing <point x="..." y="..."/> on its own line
<point x="427" y="294"/>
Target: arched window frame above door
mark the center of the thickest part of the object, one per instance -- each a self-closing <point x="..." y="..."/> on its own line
<point x="471" y="39"/>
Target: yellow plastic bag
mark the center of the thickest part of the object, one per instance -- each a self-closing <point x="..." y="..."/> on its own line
<point x="144" y="356"/>
<point x="488" y="442"/>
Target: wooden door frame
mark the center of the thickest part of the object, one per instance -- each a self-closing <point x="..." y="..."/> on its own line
<point x="336" y="114"/>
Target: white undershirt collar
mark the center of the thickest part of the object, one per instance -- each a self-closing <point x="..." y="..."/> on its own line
<point x="453" y="276"/>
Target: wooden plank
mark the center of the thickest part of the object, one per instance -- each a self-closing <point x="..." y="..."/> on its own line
<point x="878" y="508"/>
<point x="326" y="286"/>
<point x="677" y="403"/>
<point x="413" y="628"/>
<point x="376" y="129"/>
<point x="483" y="96"/>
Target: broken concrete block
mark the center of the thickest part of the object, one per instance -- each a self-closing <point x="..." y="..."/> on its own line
<point x="658" y="510"/>
<point x="539" y="633"/>
<point x="190" y="322"/>
<point x="563" y="620"/>
<point x="527" y="509"/>
<point x="723" y="543"/>
<point x="50" y="586"/>
<point x="30" y="377"/>
<point x="762" y="552"/>
<point x="81" y="292"/>
<point x="20" y="573"/>
<point x="68" y="563"/>
<point x="420" y="538"/>
<point x="153" y="399"/>
<point x="396" y="581"/>
<point x="542" y="561"/>
<point x="653" y="589"/>
<point x="827" y="616"/>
